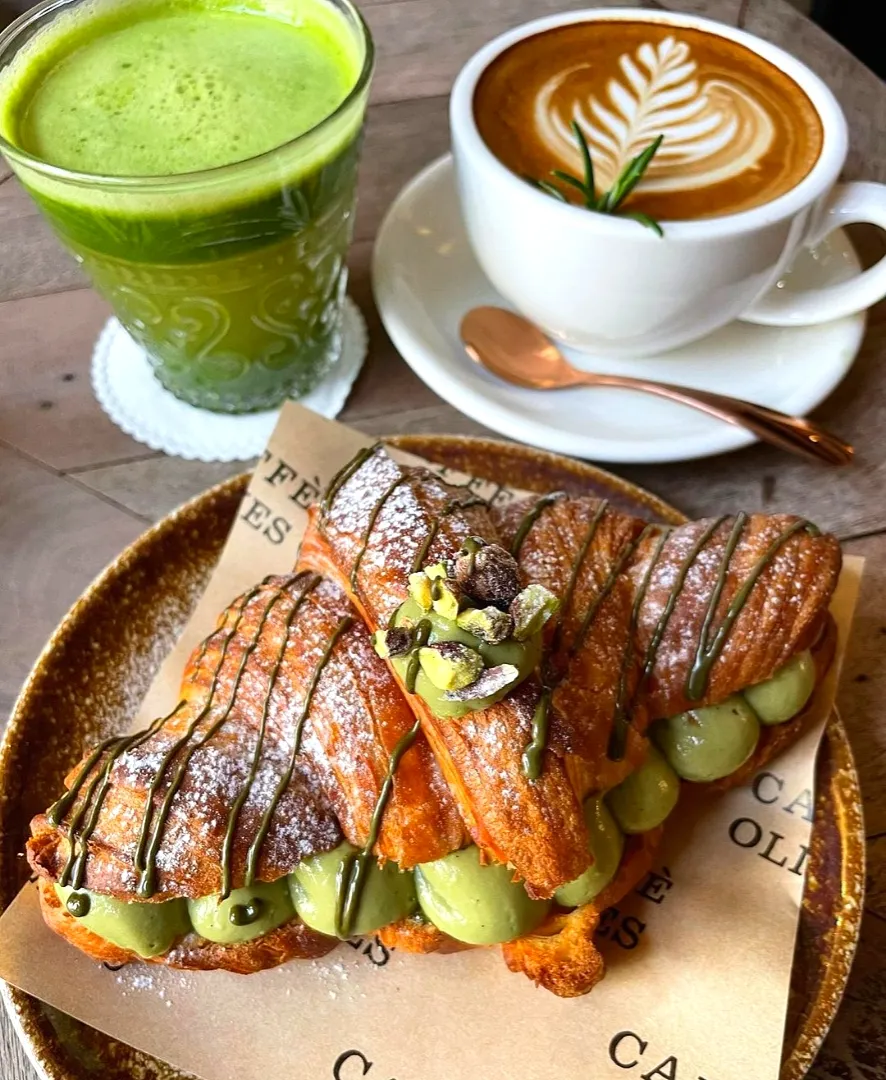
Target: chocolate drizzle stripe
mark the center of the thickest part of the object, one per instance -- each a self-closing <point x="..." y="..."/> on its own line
<point x="148" y="848"/>
<point x="352" y="878"/>
<point x="311" y="581"/>
<point x="709" y="649"/>
<point x="370" y="525"/>
<point x="530" y="518"/>
<point x="255" y="847"/>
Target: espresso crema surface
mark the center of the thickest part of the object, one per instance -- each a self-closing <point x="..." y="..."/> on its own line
<point x="738" y="132"/>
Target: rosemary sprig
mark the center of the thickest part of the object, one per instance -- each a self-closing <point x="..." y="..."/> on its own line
<point x="608" y="202"/>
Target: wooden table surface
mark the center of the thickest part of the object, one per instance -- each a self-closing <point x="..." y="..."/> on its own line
<point x="74" y="489"/>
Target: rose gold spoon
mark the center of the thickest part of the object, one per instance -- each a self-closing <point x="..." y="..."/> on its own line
<point x="515" y="350"/>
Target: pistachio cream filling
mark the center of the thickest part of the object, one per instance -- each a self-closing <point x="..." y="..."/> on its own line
<point x="387" y="894"/>
<point x="477" y="903"/>
<point x="143" y="928"/>
<point x="711" y="742"/>
<point x="606" y="844"/>
<point x="246" y="914"/>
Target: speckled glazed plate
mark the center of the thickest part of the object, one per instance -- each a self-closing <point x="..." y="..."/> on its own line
<point x="100" y="662"/>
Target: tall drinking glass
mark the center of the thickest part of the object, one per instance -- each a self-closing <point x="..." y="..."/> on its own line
<point x="232" y="278"/>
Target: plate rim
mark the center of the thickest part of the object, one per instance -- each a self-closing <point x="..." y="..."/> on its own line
<point x="479" y="407"/>
<point x="848" y="807"/>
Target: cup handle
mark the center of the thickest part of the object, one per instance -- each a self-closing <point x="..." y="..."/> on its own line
<point x="848" y="203"/>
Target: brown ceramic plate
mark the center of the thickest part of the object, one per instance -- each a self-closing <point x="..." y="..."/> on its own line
<point x="100" y="661"/>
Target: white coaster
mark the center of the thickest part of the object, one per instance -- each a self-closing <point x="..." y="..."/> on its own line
<point x="130" y="394"/>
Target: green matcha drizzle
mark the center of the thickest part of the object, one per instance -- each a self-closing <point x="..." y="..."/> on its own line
<point x="265" y="824"/>
<point x="204" y="644"/>
<point x="420" y="637"/>
<point x="680" y="580"/>
<point x="245" y="914"/>
<point x="621" y="720"/>
<point x="56" y="813"/>
<point x="534" y="750"/>
<point x="576" y="570"/>
<point x="152" y="828"/>
<point x="352" y="876"/>
<point x="533" y="753"/>
<point x="75" y="868"/>
<point x="78" y="905"/>
<point x="530" y="518"/>
<point x="606" y="588"/>
<point x="449" y="508"/>
<point x="710" y="648"/>
<point x="343" y="475"/>
<point x="311" y="582"/>
<point x="370" y="525"/>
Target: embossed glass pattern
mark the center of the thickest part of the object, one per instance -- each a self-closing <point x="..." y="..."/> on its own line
<point x="232" y="279"/>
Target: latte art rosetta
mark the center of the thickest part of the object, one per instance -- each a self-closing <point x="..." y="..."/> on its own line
<point x="714" y="129"/>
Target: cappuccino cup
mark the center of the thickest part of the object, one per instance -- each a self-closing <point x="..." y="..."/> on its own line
<point x="745" y="177"/>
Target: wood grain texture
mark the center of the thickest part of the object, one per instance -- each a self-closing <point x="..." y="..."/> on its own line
<point x="860" y="93"/>
<point x="74" y="489"/>
<point x="33" y="262"/>
<point x="54" y="538"/>
<point x="47" y="408"/>
<point x="862" y="697"/>
<point x="855" y="1048"/>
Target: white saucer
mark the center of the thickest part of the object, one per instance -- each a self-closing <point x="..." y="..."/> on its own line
<point x="425" y="278"/>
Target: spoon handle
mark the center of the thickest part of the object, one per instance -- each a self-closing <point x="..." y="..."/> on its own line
<point x="793" y="433"/>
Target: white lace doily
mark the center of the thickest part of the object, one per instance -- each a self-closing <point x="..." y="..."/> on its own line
<point x="128" y="392"/>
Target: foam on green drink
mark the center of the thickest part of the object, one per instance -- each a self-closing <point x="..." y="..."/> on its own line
<point x="231" y="278"/>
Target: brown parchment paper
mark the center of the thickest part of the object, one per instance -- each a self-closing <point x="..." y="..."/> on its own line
<point x="699" y="956"/>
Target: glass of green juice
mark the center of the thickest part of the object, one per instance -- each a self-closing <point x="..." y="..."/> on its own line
<point x="199" y="158"/>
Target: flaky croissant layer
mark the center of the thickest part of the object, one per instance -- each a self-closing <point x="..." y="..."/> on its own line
<point x="452" y="726"/>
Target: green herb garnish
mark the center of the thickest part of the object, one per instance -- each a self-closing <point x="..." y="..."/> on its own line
<point x="608" y="202"/>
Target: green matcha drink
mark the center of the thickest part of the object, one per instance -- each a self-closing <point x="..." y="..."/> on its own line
<point x="199" y="158"/>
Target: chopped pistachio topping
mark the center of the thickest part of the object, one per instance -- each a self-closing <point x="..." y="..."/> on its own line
<point x="531" y="609"/>
<point x="489" y="624"/>
<point x="489" y="575"/>
<point x="450" y="665"/>
<point x="394" y="642"/>
<point x="447" y="598"/>
<point x="420" y="589"/>
<point x="491" y="681"/>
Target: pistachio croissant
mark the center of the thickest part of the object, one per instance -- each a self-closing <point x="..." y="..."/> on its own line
<point x="452" y="727"/>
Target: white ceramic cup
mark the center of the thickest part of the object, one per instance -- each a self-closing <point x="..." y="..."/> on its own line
<point x="606" y="284"/>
